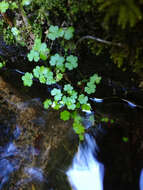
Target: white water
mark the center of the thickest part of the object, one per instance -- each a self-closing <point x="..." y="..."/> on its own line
<point x="141" y="180"/>
<point x="86" y="173"/>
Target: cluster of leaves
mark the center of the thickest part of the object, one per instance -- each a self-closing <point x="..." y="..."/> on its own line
<point x="56" y="32"/>
<point x="7" y="34"/>
<point x="44" y="75"/>
<point x="77" y="124"/>
<point x="71" y="100"/>
<point x="67" y="98"/>
<point x="64" y="96"/>
<point x="11" y="34"/>
<point x="69" y="9"/>
<point x="91" y="85"/>
<point x="127" y="12"/>
<point x="4" y="5"/>
<point x="39" y="51"/>
<point x="54" y="68"/>
<point x="117" y="15"/>
<point x="58" y="62"/>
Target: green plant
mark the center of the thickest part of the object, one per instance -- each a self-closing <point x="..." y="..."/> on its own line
<point x="38" y="51"/>
<point x="4" y="6"/>
<point x="91" y="86"/>
<point x="119" y="9"/>
<point x="77" y="125"/>
<point x="15" y="31"/>
<point x="54" y="65"/>
<point x="54" y="53"/>
<point x="71" y="62"/>
<point x="65" y="115"/>
<point x="56" y="32"/>
<point x="125" y="139"/>
<point x="44" y="74"/>
<point x="54" y="71"/>
<point x="2" y="64"/>
<point x="26" y="2"/>
<point x="27" y="79"/>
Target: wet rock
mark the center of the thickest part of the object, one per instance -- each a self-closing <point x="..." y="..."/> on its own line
<point x="42" y="147"/>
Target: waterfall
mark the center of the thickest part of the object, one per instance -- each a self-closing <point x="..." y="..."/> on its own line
<point x="86" y="172"/>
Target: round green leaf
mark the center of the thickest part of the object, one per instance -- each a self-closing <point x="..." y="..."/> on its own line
<point x="65" y="115"/>
<point x="47" y="103"/>
<point x="27" y="79"/>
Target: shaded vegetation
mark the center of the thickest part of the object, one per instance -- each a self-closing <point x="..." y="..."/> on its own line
<point x="53" y="34"/>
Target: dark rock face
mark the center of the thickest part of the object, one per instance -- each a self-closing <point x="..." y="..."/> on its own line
<point x="12" y="52"/>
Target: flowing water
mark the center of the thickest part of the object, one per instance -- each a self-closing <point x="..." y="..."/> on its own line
<point x="86" y="172"/>
<point x="89" y="171"/>
<point x="38" y="151"/>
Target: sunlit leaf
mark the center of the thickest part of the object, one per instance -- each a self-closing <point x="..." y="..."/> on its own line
<point x="69" y="33"/>
<point x="47" y="103"/>
<point x="53" y="32"/>
<point x="26" y="2"/>
<point x="15" y="31"/>
<point x="71" y="62"/>
<point x="65" y="115"/>
<point x="68" y="88"/>
<point x="27" y="79"/>
<point x="4" y="6"/>
<point x="82" y="99"/>
<point x="56" y="93"/>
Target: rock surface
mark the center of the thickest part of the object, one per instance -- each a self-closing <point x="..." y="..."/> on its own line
<point x="44" y="144"/>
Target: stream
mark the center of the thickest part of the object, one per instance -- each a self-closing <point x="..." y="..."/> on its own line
<point x="38" y="151"/>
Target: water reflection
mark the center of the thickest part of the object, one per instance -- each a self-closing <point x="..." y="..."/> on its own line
<point x="130" y="104"/>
